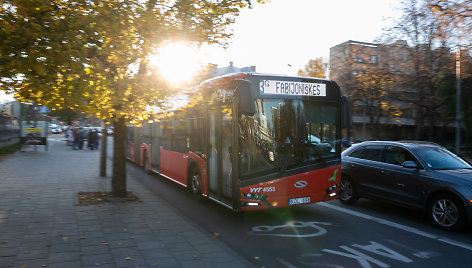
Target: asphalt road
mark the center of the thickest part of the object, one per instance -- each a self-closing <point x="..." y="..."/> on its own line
<point x="367" y="234"/>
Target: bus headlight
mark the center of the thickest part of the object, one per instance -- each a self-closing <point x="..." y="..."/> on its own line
<point x="332" y="188"/>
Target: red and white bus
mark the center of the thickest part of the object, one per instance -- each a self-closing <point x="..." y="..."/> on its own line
<point x="250" y="141"/>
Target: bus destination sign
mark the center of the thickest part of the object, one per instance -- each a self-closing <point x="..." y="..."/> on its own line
<point x="292" y="88"/>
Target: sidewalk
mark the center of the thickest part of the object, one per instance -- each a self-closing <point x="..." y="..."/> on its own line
<point x="42" y="225"/>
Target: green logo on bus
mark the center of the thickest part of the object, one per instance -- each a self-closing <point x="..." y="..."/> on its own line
<point x="334" y="175"/>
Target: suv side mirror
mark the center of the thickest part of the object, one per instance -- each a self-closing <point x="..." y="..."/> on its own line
<point x="409" y="164"/>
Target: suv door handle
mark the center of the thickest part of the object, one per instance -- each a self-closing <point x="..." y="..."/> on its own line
<point x="384" y="172"/>
<point x="400" y="184"/>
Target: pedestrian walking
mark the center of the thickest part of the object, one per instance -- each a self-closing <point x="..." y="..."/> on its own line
<point x="75" y="136"/>
<point x="90" y="139"/>
<point x="69" y="136"/>
<point x="82" y="136"/>
<point x="96" y="142"/>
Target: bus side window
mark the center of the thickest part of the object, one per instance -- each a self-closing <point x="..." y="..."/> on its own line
<point x="196" y="133"/>
<point x="179" y="136"/>
<point x="166" y="134"/>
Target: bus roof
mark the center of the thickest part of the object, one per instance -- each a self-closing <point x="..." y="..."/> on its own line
<point x="221" y="80"/>
<point x="226" y="79"/>
<point x="297" y="84"/>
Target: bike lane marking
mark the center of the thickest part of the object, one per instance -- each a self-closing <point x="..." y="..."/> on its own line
<point x="399" y="226"/>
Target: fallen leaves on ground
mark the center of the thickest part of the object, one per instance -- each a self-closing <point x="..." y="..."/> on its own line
<point x="105" y="197"/>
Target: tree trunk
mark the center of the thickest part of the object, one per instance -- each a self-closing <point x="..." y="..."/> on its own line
<point x="118" y="180"/>
<point x="103" y="152"/>
<point x="419" y="123"/>
<point x="431" y="129"/>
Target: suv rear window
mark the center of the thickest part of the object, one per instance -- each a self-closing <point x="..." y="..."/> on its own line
<point x="369" y="152"/>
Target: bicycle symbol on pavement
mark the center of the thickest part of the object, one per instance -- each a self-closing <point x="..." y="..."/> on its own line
<point x="313" y="227"/>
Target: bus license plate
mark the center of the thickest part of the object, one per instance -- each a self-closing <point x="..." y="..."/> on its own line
<point x="299" y="201"/>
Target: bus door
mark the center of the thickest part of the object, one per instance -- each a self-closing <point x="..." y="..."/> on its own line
<point x="220" y="161"/>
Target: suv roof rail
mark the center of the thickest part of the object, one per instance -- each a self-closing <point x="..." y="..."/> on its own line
<point x="419" y="142"/>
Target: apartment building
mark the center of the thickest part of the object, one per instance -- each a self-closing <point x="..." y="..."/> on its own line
<point x="386" y="101"/>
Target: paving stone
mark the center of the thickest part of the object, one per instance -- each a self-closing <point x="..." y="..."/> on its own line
<point x="97" y="260"/>
<point x="58" y="248"/>
<point x="74" y="264"/>
<point x="8" y="252"/>
<point x="31" y="263"/>
<point x="167" y="262"/>
<point x="220" y="256"/>
<point x="7" y="261"/>
<point x="118" y="236"/>
<point x="30" y="254"/>
<point x="92" y="250"/>
<point x="197" y="263"/>
<point x="187" y="255"/>
<point x="156" y="253"/>
<point x="64" y="257"/>
<point x="92" y="241"/>
<point x="120" y="252"/>
<point x="130" y="261"/>
<point x="231" y="264"/>
<point x="121" y="243"/>
<point x="42" y="224"/>
<point x="150" y="245"/>
<point x="106" y="265"/>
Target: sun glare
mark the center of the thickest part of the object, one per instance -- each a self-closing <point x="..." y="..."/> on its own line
<point x="177" y="62"/>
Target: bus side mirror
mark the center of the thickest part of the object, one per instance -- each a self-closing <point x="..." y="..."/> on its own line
<point x="246" y="98"/>
<point x="345" y="112"/>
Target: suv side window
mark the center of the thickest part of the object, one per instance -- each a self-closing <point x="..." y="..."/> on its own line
<point x="369" y="152"/>
<point x="397" y="156"/>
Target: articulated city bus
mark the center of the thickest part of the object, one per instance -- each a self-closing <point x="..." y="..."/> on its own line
<point x="249" y="142"/>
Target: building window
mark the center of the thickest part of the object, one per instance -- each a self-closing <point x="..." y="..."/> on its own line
<point x="373" y="59"/>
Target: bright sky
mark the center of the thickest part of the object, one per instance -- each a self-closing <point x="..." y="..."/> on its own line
<point x="284" y="32"/>
<point x="291" y="32"/>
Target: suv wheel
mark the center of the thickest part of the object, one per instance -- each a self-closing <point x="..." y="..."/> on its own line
<point x="445" y="211"/>
<point x="348" y="193"/>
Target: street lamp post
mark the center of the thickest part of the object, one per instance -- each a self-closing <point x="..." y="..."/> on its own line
<point x="458" y="99"/>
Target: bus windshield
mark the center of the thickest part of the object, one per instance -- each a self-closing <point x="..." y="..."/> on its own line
<point x="287" y="133"/>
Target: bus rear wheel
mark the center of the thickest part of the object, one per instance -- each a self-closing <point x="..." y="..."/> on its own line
<point x="195" y="182"/>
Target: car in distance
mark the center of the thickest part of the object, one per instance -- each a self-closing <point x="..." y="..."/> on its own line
<point x="55" y="130"/>
<point x="419" y="175"/>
